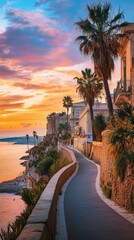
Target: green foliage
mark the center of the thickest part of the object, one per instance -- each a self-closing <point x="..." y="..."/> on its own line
<point x="14" y="229"/>
<point x="31" y="196"/>
<point x="107" y="190"/>
<point x="121" y="128"/>
<point x="67" y="102"/>
<point x="99" y="123"/>
<point x="66" y="136"/>
<point x="89" y="87"/>
<point x="44" y="165"/>
<point x="124" y="112"/>
<point x="57" y="165"/>
<point x="27" y="196"/>
<point x="100" y="38"/>
<point x="53" y="153"/>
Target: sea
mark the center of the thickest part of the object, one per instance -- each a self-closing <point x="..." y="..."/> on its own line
<point x="11" y="150"/>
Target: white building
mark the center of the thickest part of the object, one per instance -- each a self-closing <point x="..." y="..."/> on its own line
<point x="80" y="118"/>
<point x="76" y="111"/>
<point x="85" y="125"/>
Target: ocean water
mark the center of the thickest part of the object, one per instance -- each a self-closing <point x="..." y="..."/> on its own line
<point x="10" y="205"/>
<point x="9" y="160"/>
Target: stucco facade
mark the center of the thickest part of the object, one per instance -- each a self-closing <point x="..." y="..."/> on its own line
<point x="76" y="111"/>
<point x="125" y="88"/>
<point x="85" y="119"/>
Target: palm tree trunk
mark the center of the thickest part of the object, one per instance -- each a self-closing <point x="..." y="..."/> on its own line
<point x="92" y="118"/>
<point x="27" y="146"/>
<point x="109" y="99"/>
<point x="67" y="119"/>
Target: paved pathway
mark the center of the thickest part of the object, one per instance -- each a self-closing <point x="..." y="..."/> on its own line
<point x="87" y="216"/>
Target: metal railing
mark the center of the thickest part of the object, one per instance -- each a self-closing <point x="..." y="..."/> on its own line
<point x="120" y="89"/>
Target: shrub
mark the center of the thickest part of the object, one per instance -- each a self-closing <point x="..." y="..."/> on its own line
<point x="122" y="137"/>
<point x="31" y="196"/>
<point x="107" y="190"/>
<point x="44" y="165"/>
<point x="99" y="124"/>
<point x="14" y="229"/>
<point x="57" y="165"/>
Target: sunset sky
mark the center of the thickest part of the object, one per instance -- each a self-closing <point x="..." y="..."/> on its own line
<point x="39" y="59"/>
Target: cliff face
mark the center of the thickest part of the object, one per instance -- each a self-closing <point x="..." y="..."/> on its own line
<point x="38" y="152"/>
<point x="122" y="192"/>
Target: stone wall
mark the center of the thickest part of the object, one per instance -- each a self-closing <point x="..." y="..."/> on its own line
<point x="42" y="222"/>
<point x="122" y="191"/>
<point x="96" y="151"/>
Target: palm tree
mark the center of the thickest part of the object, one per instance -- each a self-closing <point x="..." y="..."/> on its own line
<point x="37" y="138"/>
<point x="121" y="130"/>
<point x="27" y="138"/>
<point x="99" y="123"/>
<point x="101" y="39"/>
<point x="89" y="87"/>
<point x="67" y="103"/>
<point x="34" y="135"/>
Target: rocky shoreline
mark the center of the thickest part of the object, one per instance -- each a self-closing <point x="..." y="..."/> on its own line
<point x="14" y="185"/>
<point x="17" y="184"/>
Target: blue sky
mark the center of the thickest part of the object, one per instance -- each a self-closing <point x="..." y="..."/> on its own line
<point x="39" y="59"/>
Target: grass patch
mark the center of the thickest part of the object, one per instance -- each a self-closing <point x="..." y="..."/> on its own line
<point x="107" y="189"/>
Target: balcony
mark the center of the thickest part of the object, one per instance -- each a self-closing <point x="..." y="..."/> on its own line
<point x="121" y="94"/>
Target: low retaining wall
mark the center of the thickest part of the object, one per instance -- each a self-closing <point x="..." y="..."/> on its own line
<point x="41" y="224"/>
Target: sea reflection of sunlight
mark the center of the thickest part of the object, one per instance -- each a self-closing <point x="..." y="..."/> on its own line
<point x="10" y="206"/>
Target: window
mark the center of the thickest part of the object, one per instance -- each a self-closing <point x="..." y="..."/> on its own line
<point x="77" y="112"/>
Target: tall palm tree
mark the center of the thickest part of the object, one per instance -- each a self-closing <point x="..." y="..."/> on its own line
<point x="67" y="103"/>
<point x="27" y="138"/>
<point x="101" y="39"/>
<point x="34" y="135"/>
<point x="89" y="87"/>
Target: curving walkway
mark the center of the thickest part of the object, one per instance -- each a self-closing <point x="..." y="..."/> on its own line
<point x="87" y="216"/>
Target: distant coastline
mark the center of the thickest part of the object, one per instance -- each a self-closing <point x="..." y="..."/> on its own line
<point x="14" y="185"/>
<point x="21" y="140"/>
